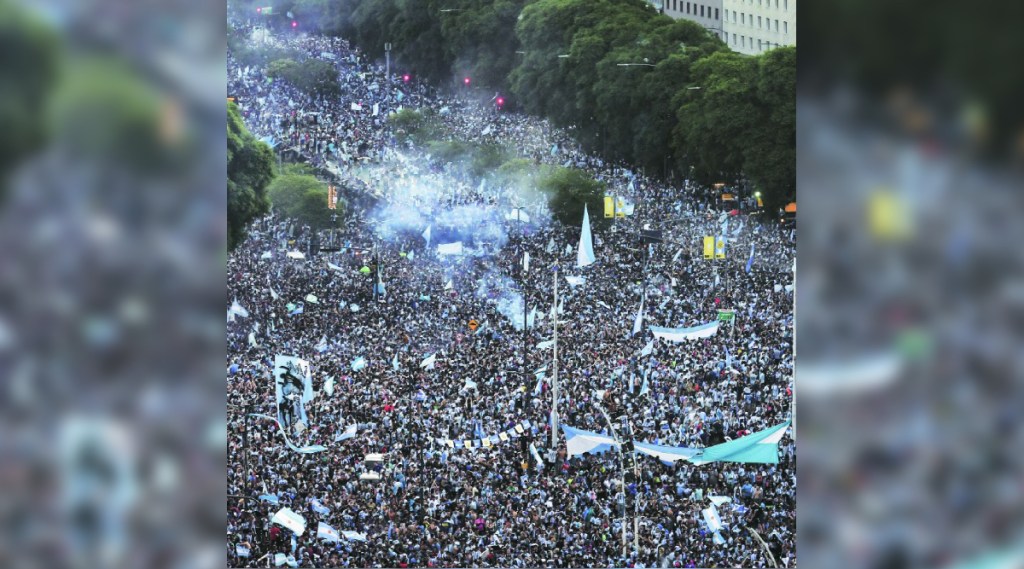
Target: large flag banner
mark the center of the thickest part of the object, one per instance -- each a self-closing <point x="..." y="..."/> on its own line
<point x="238" y="310"/>
<point x="292" y="374"/>
<point x="609" y="206"/>
<point x="426" y="235"/>
<point x="726" y="315"/>
<point x="720" y="247"/>
<point x="709" y="247"/>
<point x="761" y="447"/>
<point x="585" y="256"/>
<point x="290" y="520"/>
<point x="681" y="334"/>
<point x="450" y="248"/>
<point x="348" y="433"/>
<point x="354" y="536"/>
<point x="428" y="362"/>
<point x="750" y="261"/>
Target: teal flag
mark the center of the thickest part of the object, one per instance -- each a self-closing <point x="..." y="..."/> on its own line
<point x="761" y="447"/>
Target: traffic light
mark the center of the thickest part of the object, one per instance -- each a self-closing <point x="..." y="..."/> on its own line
<point x="500" y="101"/>
<point x="259" y="10"/>
<point x="466" y="81"/>
<point x="295" y="24"/>
<point x="406" y="78"/>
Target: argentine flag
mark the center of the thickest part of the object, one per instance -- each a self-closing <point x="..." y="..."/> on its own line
<point x="750" y="261"/>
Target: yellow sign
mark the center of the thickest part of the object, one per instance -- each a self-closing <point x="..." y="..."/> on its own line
<point x="720" y="248"/>
<point x="888" y="216"/>
<point x="620" y="208"/>
<point x="709" y="247"/>
<point x="609" y="206"/>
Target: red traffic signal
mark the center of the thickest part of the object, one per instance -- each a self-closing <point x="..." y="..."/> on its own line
<point x="294" y="24"/>
<point x="259" y="10"/>
<point x="466" y="81"/>
<point x="405" y="77"/>
<point x="501" y="101"/>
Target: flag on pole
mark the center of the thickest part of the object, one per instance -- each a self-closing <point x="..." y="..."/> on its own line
<point x="319" y="508"/>
<point x="639" y="321"/>
<point x="428" y="362"/>
<point x="526" y="261"/>
<point x="394" y="362"/>
<point x="644" y="388"/>
<point x="426" y="235"/>
<point x="585" y="256"/>
<point x="536" y="456"/>
<point x="329" y="386"/>
<point x="750" y="261"/>
<point x="551" y="245"/>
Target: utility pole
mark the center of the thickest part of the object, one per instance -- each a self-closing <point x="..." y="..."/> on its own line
<point x="387" y="59"/>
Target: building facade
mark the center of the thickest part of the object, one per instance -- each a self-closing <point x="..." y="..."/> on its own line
<point x="755" y="26"/>
<point x="707" y="13"/>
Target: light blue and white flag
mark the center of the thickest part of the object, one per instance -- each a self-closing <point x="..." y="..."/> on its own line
<point x="638" y="322"/>
<point x="394" y="363"/>
<point x="289" y="519"/>
<point x="750" y="261"/>
<point x="712" y="518"/>
<point x="585" y="255"/>
<point x="238" y="310"/>
<point x="354" y="536"/>
<point x="644" y="388"/>
<point x="411" y="255"/>
<point x="478" y="430"/>
<point x="324" y="531"/>
<point x="575" y="281"/>
<point x="322" y="345"/>
<point x="648" y="349"/>
<point x="279" y="559"/>
<point x="358" y="363"/>
<point x="536" y="456"/>
<point x="426" y="235"/>
<point x="272" y="498"/>
<point x="319" y="508"/>
<point x="429" y="361"/>
<point x="681" y="334"/>
<point x="545" y="344"/>
<point x="329" y="385"/>
<point x="540" y="385"/>
<point x="241" y="550"/>
<point x="348" y="433"/>
<point x="728" y="357"/>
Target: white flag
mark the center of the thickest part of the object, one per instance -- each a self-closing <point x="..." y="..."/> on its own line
<point x="394" y="362"/>
<point x="585" y="256"/>
<point x="274" y="295"/>
<point x="639" y="321"/>
<point x="526" y="261"/>
<point x="426" y="235"/>
<point x="329" y="386"/>
<point x="428" y="362"/>
<point x="376" y="108"/>
<point x="448" y="285"/>
<point x="551" y="245"/>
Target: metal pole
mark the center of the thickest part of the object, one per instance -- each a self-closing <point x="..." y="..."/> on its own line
<point x="554" y="391"/>
<point x="387" y="59"/>
<point x="526" y="335"/>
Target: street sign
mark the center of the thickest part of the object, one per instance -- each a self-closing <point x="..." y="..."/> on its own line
<point x="473" y="324"/>
<point x="726" y="315"/>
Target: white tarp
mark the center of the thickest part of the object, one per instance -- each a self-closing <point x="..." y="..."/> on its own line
<point x="295" y="255"/>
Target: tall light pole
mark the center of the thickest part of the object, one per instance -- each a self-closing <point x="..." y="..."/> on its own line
<point x="622" y="470"/>
<point x="387" y="59"/>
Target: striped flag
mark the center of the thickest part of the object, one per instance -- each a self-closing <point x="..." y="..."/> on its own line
<point x="325" y="531"/>
<point x="750" y="261"/>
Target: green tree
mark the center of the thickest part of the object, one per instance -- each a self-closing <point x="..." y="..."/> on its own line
<point x="304" y="198"/>
<point x="770" y="152"/>
<point x="250" y="169"/>
<point x="568" y="189"/>
<point x="312" y="76"/>
<point x="28" y="75"/>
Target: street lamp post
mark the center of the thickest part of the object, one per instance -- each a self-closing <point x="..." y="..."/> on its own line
<point x="387" y="59"/>
<point x="622" y="471"/>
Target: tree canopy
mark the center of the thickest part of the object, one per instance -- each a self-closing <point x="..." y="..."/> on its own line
<point x="250" y="169"/>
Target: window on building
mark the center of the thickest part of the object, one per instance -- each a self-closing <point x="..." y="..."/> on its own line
<point x="759" y="22"/>
<point x="716" y="13"/>
<point x="785" y="27"/>
<point x="743" y="19"/>
<point x="785" y="5"/>
<point x="776" y="25"/>
<point x="701" y="10"/>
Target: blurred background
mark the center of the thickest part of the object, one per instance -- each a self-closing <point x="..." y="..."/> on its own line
<point x="910" y="391"/>
<point x="112" y="224"/>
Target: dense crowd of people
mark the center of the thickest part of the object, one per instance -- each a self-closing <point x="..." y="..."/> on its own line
<point x="436" y="505"/>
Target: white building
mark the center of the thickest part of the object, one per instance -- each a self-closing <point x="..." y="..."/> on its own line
<point x="755" y="26"/>
<point x="707" y="13"/>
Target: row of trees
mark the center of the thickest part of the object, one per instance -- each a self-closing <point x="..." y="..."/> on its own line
<point x="691" y="107"/>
